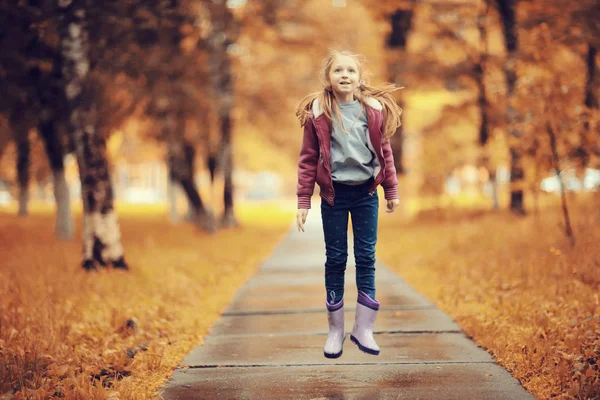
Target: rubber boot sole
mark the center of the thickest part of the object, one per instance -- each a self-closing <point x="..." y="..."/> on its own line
<point x="336" y="355"/>
<point x="363" y="348"/>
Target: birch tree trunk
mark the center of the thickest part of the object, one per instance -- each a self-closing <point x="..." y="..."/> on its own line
<point x="101" y="231"/>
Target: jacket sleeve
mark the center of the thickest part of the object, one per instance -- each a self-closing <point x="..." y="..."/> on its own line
<point x="307" y="165"/>
<point x="390" y="183"/>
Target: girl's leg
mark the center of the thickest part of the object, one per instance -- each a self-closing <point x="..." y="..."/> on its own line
<point x="335" y="228"/>
<point x="364" y="213"/>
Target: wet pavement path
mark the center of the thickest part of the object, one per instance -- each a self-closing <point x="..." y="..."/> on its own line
<point x="268" y="344"/>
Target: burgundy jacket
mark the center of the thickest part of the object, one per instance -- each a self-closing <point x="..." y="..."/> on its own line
<point x="314" y="163"/>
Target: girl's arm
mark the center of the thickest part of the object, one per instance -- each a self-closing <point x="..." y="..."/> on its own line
<point x="307" y="165"/>
<point x="390" y="183"/>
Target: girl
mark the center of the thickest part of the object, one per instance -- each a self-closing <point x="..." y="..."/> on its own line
<point x="346" y="151"/>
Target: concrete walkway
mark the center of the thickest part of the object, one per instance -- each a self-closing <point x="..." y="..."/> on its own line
<point x="269" y="342"/>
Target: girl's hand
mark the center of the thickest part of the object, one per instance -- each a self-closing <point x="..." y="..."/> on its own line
<point x="392" y="204"/>
<point x="301" y="218"/>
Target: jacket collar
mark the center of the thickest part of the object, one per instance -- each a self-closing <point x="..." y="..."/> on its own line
<point x="370" y="101"/>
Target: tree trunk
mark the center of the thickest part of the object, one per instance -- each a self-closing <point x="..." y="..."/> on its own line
<point x="589" y="141"/>
<point x="211" y="164"/>
<point x="21" y="135"/>
<point x="401" y="24"/>
<point x="591" y="96"/>
<point x="191" y="212"/>
<point x="536" y="194"/>
<point x="483" y="103"/>
<point x="64" y="226"/>
<point x="479" y="73"/>
<point x="172" y="198"/>
<point x="225" y="85"/>
<point x="565" y="209"/>
<point x="101" y="231"/>
<point x="181" y="170"/>
<point x="212" y="161"/>
<point x="507" y="10"/>
<point x="494" y="183"/>
<point x="228" y="220"/>
<point x="225" y="33"/>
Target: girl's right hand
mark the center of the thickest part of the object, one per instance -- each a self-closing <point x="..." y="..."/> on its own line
<point x="301" y="218"/>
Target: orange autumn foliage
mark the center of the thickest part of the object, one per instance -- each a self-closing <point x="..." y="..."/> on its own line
<point x="117" y="335"/>
<point x="514" y="285"/>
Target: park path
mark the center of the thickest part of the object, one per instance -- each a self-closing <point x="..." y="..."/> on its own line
<point x="268" y="344"/>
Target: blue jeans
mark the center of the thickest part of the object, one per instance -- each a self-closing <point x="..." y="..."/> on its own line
<point x="357" y="202"/>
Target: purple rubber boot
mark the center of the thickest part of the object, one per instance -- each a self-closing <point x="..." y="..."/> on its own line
<point x="362" y="334"/>
<point x="335" y="339"/>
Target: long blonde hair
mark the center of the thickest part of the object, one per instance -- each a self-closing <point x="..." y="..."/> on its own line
<point x="326" y="98"/>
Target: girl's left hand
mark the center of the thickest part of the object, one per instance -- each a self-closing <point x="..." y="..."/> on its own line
<point x="392" y="204"/>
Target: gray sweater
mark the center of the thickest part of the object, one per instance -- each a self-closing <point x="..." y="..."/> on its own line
<point x="351" y="159"/>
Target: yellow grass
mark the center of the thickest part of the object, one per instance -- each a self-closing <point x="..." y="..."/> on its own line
<point x="65" y="332"/>
<point x="514" y="285"/>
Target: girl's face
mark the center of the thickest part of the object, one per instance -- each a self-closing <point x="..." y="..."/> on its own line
<point x="344" y="76"/>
